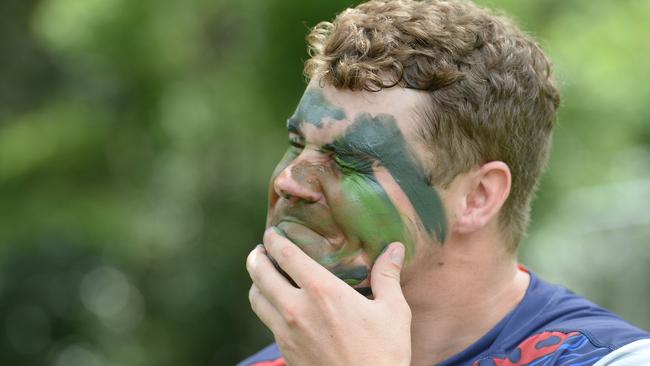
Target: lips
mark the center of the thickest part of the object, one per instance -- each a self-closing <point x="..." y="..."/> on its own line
<point x="313" y="229"/>
<point x="308" y="225"/>
<point x="318" y="247"/>
<point x="310" y="241"/>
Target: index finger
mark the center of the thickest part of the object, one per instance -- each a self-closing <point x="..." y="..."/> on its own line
<point x="267" y="279"/>
<point x="296" y="263"/>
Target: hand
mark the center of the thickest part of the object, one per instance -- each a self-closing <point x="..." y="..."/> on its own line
<point x="325" y="321"/>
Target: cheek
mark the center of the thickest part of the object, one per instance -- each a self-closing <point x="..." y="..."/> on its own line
<point x="399" y="199"/>
<point x="423" y="211"/>
<point x="368" y="216"/>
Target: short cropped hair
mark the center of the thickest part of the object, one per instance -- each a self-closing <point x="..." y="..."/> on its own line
<point x="492" y="92"/>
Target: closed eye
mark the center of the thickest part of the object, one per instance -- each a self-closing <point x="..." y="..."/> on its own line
<point x="345" y="167"/>
<point x="296" y="141"/>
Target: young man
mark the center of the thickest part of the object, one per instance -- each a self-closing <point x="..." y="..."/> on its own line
<point x="395" y="215"/>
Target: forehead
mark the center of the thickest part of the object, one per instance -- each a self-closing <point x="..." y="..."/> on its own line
<point x="324" y="112"/>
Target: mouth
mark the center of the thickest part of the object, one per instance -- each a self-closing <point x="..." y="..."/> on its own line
<point x="309" y="239"/>
<point x="313" y="229"/>
<point x="317" y="246"/>
<point x="308" y="226"/>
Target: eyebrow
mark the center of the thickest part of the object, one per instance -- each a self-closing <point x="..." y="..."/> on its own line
<point x="338" y="147"/>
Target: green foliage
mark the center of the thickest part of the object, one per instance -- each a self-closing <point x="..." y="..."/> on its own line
<point x="137" y="138"/>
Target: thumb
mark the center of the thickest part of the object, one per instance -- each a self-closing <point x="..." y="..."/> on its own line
<point x="385" y="275"/>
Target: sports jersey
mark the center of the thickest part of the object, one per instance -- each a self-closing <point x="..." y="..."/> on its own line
<point x="550" y="326"/>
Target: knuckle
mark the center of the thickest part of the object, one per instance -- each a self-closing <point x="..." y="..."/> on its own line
<point x="250" y="259"/>
<point x="323" y="297"/>
<point x="288" y="252"/>
<point x="252" y="298"/>
<point x="318" y="291"/>
<point x="391" y="273"/>
<point x="267" y="238"/>
<point x="285" y="255"/>
<point x="291" y="315"/>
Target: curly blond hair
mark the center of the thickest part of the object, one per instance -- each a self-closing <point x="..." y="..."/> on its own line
<point x="492" y="93"/>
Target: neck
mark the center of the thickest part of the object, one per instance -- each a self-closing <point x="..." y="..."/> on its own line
<point x="458" y="301"/>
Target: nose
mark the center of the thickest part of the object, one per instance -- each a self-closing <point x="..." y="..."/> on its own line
<point x="299" y="182"/>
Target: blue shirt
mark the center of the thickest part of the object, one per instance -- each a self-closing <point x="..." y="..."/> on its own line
<point x="551" y="326"/>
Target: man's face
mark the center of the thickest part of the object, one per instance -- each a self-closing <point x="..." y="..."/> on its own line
<point x="351" y="181"/>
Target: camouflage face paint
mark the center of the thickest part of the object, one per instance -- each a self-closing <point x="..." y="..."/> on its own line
<point x="357" y="204"/>
<point x="379" y="139"/>
<point x="366" y="214"/>
<point x="314" y="109"/>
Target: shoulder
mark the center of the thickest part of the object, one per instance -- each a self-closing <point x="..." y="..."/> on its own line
<point x="269" y="356"/>
<point x="633" y="354"/>
<point x="567" y="312"/>
<point x="552" y="348"/>
<point x="553" y="326"/>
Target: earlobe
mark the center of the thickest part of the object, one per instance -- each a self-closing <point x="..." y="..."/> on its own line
<point x="487" y="188"/>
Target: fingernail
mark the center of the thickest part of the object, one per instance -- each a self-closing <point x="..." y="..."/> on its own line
<point x="397" y="254"/>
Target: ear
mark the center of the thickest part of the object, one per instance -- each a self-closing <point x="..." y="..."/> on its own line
<point x="485" y="191"/>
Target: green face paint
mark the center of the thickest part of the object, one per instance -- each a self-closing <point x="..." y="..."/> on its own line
<point x="367" y="214"/>
<point x="379" y="139"/>
<point x="352" y="276"/>
<point x="314" y="109"/>
<point x="358" y="208"/>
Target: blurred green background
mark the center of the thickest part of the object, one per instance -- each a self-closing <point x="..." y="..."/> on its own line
<point x="137" y="137"/>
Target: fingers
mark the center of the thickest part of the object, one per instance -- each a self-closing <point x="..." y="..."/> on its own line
<point x="263" y="308"/>
<point x="296" y="263"/>
<point x="385" y="276"/>
<point x="266" y="278"/>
